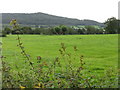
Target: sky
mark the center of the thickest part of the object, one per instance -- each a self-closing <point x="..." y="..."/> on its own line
<point x="98" y="10"/>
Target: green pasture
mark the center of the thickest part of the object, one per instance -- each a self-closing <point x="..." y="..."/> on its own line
<point x="100" y="51"/>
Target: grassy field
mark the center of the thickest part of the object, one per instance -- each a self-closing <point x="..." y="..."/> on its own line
<point x="99" y="51"/>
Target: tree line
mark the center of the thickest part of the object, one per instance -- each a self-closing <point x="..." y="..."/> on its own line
<point x="112" y="27"/>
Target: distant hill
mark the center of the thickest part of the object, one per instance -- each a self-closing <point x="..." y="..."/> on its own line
<point x="44" y="19"/>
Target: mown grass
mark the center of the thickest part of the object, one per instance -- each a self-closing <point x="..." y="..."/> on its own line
<point x="100" y="51"/>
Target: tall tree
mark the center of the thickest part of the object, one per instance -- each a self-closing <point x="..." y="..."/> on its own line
<point x="90" y="29"/>
<point x="63" y="28"/>
<point x="57" y="30"/>
<point x="112" y="25"/>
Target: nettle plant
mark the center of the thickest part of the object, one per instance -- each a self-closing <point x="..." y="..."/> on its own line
<point x="59" y="73"/>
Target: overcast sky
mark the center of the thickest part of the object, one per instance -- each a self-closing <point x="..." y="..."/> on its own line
<point x="98" y="10"/>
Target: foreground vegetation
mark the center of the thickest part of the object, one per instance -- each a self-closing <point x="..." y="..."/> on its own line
<point x="64" y="61"/>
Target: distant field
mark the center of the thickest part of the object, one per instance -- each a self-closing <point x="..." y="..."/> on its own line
<point x="99" y="51"/>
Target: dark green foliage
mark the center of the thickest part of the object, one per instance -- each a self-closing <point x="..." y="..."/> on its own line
<point x="61" y="29"/>
<point x="37" y="31"/>
<point x="7" y="30"/>
<point x="26" y="30"/>
<point x="90" y="30"/>
<point x="58" y="30"/>
<point x="7" y="75"/>
<point x="3" y="34"/>
<point x="81" y="31"/>
<point x="64" y="29"/>
<point x="112" y="25"/>
<point x="71" y="31"/>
